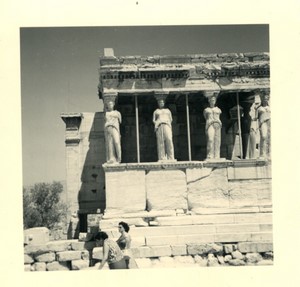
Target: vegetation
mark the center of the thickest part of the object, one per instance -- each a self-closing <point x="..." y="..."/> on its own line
<point x="42" y="206"/>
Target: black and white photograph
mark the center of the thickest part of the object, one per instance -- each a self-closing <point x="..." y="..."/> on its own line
<point x="167" y="130"/>
<point x="149" y="146"/>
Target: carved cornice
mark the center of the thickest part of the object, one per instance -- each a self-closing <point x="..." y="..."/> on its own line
<point x="250" y="162"/>
<point x="184" y="59"/>
<point x="109" y="97"/>
<point x="213" y="93"/>
<point x="174" y="165"/>
<point x="161" y="95"/>
<point x="72" y="121"/>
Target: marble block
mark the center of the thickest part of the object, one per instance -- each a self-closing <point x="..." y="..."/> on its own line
<point x="249" y="172"/>
<point x="36" y="235"/>
<point x="166" y="190"/>
<point x="208" y="190"/>
<point x="125" y="191"/>
<point x="247" y="193"/>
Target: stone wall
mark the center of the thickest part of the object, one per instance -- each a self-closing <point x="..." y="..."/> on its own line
<point x="75" y="255"/>
<point x="85" y="152"/>
<point x="197" y="187"/>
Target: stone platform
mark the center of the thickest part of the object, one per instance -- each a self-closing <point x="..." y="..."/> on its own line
<point x="201" y="187"/>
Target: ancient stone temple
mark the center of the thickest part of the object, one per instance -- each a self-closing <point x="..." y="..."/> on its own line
<point x="182" y="140"/>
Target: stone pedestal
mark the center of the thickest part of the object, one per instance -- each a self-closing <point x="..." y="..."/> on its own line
<point x="125" y="190"/>
<point x="141" y="190"/>
<point x="166" y="189"/>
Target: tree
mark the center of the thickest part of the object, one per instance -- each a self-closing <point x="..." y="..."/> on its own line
<point x="42" y="206"/>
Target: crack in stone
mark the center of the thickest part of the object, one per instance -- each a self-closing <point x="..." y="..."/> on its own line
<point x="200" y="178"/>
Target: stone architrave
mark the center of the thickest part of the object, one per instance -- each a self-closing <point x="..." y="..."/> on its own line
<point x="166" y="190"/>
<point x="125" y="191"/>
<point x="162" y="120"/>
<point x="112" y="121"/>
<point x="210" y="191"/>
<point x="212" y="127"/>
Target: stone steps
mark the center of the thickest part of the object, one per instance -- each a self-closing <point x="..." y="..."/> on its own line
<point x="207" y="238"/>
<point x="200" y="247"/>
<point x="193" y="229"/>
<point x="233" y="218"/>
<point x="186" y="234"/>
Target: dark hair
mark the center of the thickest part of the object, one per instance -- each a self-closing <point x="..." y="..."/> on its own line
<point x="125" y="225"/>
<point x="101" y="235"/>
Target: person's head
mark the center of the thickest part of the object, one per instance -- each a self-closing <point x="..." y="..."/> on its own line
<point x="161" y="103"/>
<point x="123" y="226"/>
<point x="109" y="106"/>
<point x="100" y="237"/>
<point x="265" y="99"/>
<point x="212" y="101"/>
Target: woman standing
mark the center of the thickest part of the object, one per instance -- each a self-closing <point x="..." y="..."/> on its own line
<point x="112" y="253"/>
<point x="124" y="242"/>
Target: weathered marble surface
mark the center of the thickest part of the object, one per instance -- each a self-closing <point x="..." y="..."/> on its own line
<point x="125" y="191"/>
<point x="36" y="235"/>
<point x="166" y="189"/>
<point x="249" y="172"/>
<point x="209" y="191"/>
<point x="247" y="193"/>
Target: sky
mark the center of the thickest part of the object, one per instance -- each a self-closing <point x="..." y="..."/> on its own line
<point x="59" y="74"/>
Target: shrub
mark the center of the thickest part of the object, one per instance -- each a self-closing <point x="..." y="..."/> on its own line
<point x="42" y="205"/>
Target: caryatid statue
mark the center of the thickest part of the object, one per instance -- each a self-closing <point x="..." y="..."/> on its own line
<point x="264" y="124"/>
<point x="112" y="121"/>
<point x="213" y="127"/>
<point x="251" y="152"/>
<point x="162" y="119"/>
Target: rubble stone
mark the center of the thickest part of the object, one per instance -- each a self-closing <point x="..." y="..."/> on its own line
<point x="265" y="262"/>
<point x="227" y="258"/>
<point x="28" y="259"/>
<point x="203" y="249"/>
<point x="253" y="258"/>
<point x="79" y="264"/>
<point x="68" y="255"/>
<point x="57" y="266"/>
<point x="212" y="260"/>
<point x="200" y="260"/>
<point x="237" y="255"/>
<point x="45" y="257"/>
<point x="236" y="262"/>
<point x="39" y="266"/>
<point x="27" y="267"/>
